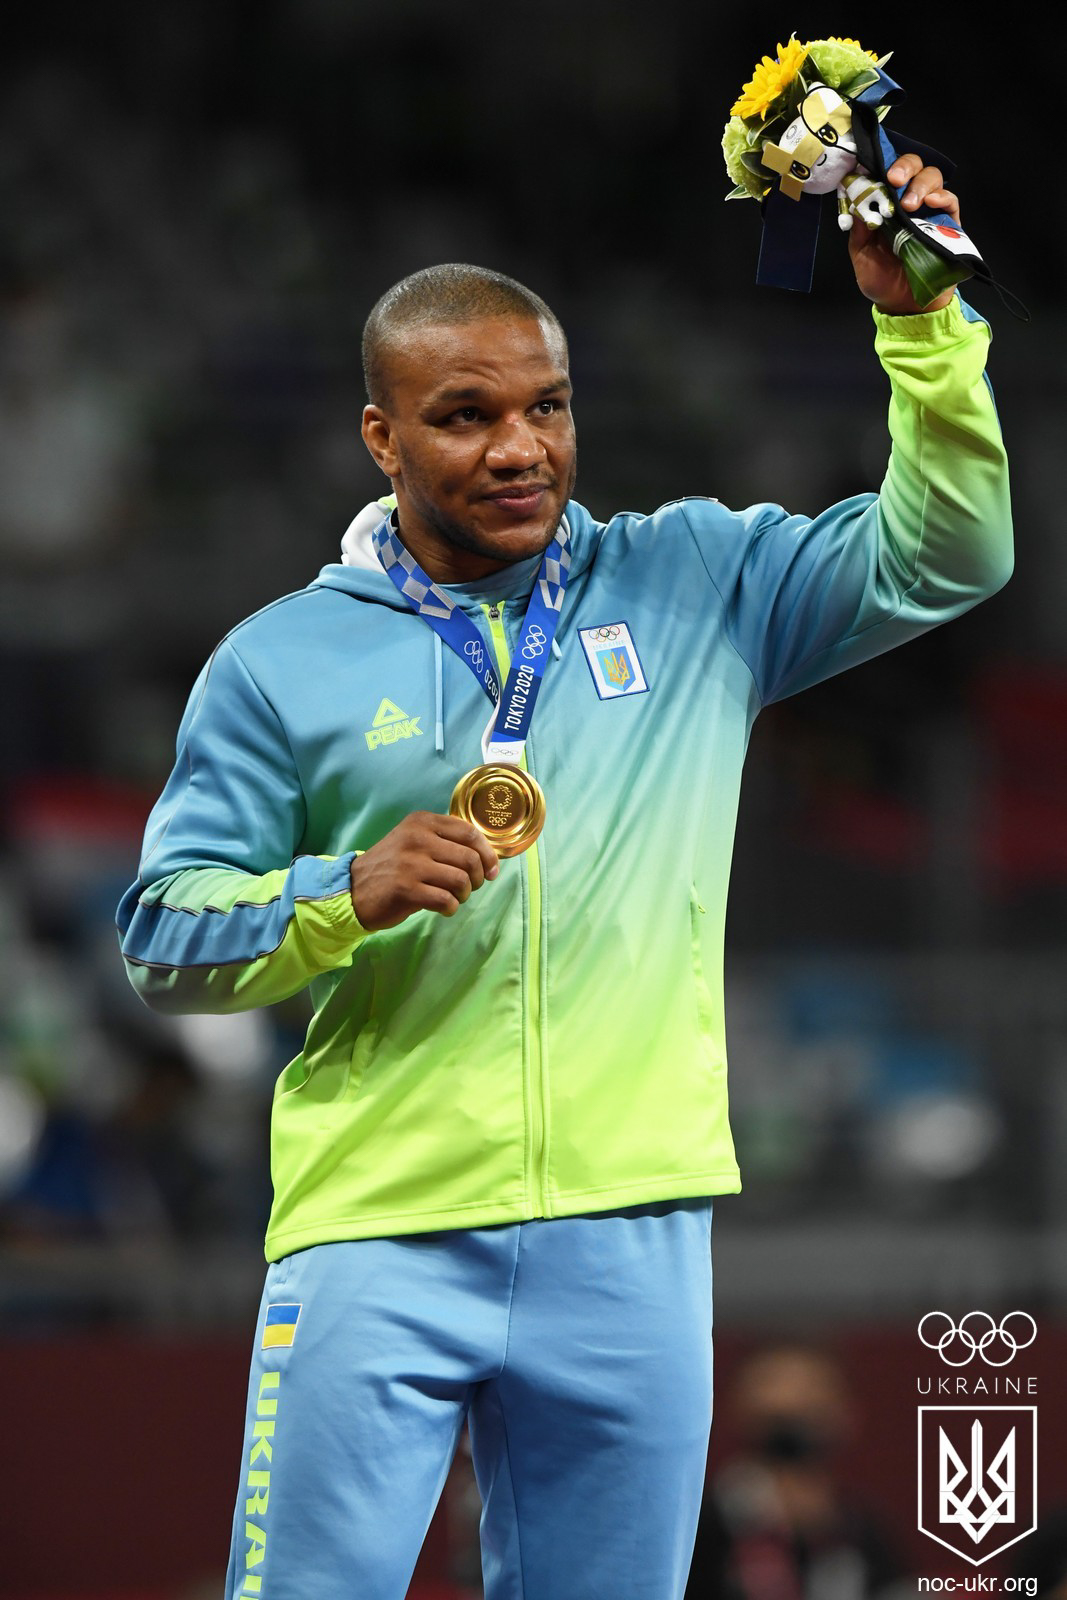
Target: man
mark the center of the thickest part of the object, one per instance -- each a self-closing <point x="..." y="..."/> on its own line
<point x="493" y="1160"/>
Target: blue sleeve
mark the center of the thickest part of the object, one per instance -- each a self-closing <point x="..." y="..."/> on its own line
<point x="224" y="915"/>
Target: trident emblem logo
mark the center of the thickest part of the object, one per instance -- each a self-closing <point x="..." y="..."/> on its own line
<point x="965" y="1499"/>
<point x="616" y="666"/>
<point x="977" y="1474"/>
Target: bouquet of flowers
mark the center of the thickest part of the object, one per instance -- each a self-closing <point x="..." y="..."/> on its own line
<point x="808" y="123"/>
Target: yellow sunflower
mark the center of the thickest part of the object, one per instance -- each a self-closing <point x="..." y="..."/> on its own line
<point x="769" y="79"/>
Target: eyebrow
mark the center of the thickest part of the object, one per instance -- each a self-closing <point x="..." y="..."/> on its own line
<point x="477" y="392"/>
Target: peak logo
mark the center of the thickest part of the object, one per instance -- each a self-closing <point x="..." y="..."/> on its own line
<point x="391" y="724"/>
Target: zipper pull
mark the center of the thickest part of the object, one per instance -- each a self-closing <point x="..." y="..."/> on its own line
<point x="494" y="613"/>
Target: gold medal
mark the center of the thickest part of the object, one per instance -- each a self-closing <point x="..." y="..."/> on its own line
<point x="505" y="803"/>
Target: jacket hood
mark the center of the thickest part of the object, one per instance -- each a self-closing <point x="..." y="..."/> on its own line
<point x="359" y="572"/>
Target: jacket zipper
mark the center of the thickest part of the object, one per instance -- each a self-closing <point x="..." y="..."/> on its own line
<point x="534" y="1086"/>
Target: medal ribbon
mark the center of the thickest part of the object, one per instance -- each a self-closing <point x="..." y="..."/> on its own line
<point x="505" y="735"/>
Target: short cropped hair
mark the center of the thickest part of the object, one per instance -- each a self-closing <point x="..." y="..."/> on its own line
<point x="452" y="293"/>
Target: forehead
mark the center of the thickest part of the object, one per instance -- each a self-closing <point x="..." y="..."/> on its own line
<point x="491" y="354"/>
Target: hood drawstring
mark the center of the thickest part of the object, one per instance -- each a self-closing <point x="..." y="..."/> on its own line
<point x="439" y="695"/>
<point x="556" y="651"/>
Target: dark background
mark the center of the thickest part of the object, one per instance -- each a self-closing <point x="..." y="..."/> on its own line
<point x="198" y="206"/>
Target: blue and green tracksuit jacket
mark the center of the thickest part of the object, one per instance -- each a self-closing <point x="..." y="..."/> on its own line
<point x="558" y="1045"/>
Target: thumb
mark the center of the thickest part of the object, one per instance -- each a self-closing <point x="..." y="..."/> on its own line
<point x="859" y="237"/>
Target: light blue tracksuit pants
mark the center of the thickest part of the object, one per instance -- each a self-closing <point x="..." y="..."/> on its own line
<point x="579" y="1349"/>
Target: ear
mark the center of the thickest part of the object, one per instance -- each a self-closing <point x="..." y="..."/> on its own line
<point x="378" y="437"/>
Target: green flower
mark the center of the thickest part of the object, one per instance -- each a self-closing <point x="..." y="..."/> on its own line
<point x="738" y="141"/>
<point x="838" y="61"/>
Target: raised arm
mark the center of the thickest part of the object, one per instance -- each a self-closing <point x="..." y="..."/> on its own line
<point x="807" y="597"/>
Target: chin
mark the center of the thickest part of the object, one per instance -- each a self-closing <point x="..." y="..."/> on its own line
<point x="516" y="544"/>
<point x="526" y="533"/>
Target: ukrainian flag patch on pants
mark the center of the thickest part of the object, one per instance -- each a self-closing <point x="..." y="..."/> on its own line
<point x="280" y="1326"/>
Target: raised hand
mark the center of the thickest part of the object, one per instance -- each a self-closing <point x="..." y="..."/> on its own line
<point x="879" y="274"/>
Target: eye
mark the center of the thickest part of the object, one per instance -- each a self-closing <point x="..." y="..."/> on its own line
<point x="547" y="408"/>
<point x="464" y="414"/>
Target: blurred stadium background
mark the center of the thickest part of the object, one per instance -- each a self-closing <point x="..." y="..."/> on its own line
<point x="200" y="202"/>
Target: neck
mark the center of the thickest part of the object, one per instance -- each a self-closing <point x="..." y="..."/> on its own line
<point x="448" y="563"/>
<point x="451" y="554"/>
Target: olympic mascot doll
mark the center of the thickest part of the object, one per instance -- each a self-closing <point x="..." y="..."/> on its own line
<point x="809" y="123"/>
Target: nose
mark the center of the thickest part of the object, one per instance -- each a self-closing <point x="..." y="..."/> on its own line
<point x="514" y="445"/>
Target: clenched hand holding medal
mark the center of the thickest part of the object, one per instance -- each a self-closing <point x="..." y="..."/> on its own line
<point x="499" y="797"/>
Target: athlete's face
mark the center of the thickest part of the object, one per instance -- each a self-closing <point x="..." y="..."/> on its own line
<point x="478" y="439"/>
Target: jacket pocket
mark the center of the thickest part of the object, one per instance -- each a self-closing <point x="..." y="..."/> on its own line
<point x="340" y="1040"/>
<point x="363" y="1048"/>
<point x="365" y="1041"/>
<point x="705" y="1004"/>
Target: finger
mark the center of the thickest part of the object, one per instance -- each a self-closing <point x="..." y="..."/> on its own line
<point x="924" y="183"/>
<point x="904" y="168"/>
<point x="858" y="237"/>
<point x="466" y="833"/>
<point x="438" y="875"/>
<point x="944" y="200"/>
<point x="439" y="900"/>
<point x="462" y="856"/>
<point x="866" y="242"/>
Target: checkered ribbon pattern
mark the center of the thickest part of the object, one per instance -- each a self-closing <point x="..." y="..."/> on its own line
<point x="555" y="565"/>
<point x="431" y="601"/>
<point x="514" y="708"/>
<point x="417" y="588"/>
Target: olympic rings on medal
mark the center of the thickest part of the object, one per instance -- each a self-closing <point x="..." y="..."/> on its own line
<point x="477" y="655"/>
<point x="1012" y="1342"/>
<point x="536" y="640"/>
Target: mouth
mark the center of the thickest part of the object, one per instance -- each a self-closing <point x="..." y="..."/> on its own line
<point x="519" y="499"/>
